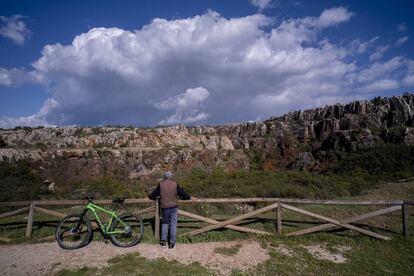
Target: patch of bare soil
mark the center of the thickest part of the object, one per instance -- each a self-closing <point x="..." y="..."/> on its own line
<point x="47" y="258"/>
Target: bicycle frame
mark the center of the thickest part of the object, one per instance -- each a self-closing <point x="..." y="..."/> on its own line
<point x="104" y="228"/>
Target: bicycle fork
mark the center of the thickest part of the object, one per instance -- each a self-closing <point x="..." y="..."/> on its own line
<point x="82" y="215"/>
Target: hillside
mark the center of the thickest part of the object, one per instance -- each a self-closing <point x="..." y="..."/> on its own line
<point x="310" y="140"/>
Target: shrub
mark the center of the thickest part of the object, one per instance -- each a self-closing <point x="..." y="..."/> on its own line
<point x="387" y="162"/>
<point x="2" y="143"/>
<point x="18" y="182"/>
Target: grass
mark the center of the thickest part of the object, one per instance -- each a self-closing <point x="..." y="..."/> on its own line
<point x="366" y="257"/>
<point x="133" y="264"/>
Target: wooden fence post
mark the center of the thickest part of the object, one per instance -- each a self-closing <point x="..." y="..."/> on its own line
<point x="405" y="220"/>
<point x="30" y="221"/>
<point x="279" y="217"/>
<point x="157" y="220"/>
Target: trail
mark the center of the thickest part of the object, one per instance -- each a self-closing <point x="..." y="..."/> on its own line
<point x="48" y="258"/>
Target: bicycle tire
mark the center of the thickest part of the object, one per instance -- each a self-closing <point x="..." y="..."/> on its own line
<point x="65" y="230"/>
<point x="133" y="237"/>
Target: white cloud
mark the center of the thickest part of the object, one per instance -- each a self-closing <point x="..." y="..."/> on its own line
<point x="186" y="106"/>
<point x="334" y="16"/>
<point x="409" y="78"/>
<point x="29" y="121"/>
<point x="361" y="47"/>
<point x="379" y="70"/>
<point x="401" y="41"/>
<point x="379" y="52"/>
<point x="261" y="4"/>
<point x="402" y="27"/>
<point x="203" y="69"/>
<point x="380" y="85"/>
<point x="17" y="77"/>
<point x="35" y="120"/>
<point x="14" y="28"/>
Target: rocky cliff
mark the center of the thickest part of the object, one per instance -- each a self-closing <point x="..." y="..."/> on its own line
<point x="298" y="140"/>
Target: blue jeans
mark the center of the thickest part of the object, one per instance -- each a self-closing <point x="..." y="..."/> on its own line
<point x="169" y="220"/>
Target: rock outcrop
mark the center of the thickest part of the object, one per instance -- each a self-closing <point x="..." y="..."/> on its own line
<point x="298" y="140"/>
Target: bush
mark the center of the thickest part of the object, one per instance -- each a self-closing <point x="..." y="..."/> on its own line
<point x="387" y="162"/>
<point x="2" y="143"/>
<point x="18" y="182"/>
<point x="105" y="187"/>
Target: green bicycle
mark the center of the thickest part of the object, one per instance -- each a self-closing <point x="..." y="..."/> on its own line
<point x="75" y="231"/>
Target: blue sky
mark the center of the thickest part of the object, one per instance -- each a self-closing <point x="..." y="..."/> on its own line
<point x="196" y="62"/>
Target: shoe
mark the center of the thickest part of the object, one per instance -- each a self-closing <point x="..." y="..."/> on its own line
<point x="171" y="245"/>
<point x="163" y="243"/>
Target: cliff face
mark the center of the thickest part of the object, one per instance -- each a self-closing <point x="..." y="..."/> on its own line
<point x="308" y="138"/>
<point x="301" y="139"/>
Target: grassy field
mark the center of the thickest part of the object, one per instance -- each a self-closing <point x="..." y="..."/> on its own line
<point x="366" y="256"/>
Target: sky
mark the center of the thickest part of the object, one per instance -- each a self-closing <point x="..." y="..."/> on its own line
<point x="150" y="63"/>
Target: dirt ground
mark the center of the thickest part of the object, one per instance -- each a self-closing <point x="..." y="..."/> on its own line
<point x="47" y="258"/>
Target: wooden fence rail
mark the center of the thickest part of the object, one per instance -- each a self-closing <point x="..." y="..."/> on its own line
<point x="277" y="204"/>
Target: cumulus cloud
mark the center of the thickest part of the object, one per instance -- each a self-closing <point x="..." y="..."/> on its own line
<point x="202" y="69"/>
<point x="261" y="4"/>
<point x="14" y="29"/>
<point x="186" y="106"/>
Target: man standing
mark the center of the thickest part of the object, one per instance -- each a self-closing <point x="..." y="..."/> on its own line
<point x="169" y="191"/>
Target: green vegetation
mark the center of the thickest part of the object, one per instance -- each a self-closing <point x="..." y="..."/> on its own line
<point x="255" y="183"/>
<point x="19" y="182"/>
<point x="133" y="264"/>
<point x="2" y="142"/>
<point x="365" y="257"/>
<point x="351" y="176"/>
<point x="100" y="146"/>
<point x="387" y="162"/>
<point x="105" y="187"/>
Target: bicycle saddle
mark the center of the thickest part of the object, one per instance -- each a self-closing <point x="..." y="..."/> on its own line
<point x="119" y="200"/>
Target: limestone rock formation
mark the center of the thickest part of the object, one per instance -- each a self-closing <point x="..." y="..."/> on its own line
<point x="297" y="140"/>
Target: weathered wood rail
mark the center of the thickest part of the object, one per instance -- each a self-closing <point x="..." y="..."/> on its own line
<point x="277" y="204"/>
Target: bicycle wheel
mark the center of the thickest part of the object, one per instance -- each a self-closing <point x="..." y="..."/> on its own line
<point x="132" y="232"/>
<point x="73" y="232"/>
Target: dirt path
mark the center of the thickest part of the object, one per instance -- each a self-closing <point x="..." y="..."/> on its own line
<point x="47" y="258"/>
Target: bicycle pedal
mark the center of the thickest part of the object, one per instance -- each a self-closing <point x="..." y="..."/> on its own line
<point x="106" y="241"/>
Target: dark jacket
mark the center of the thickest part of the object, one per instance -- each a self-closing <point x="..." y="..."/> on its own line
<point x="169" y="191"/>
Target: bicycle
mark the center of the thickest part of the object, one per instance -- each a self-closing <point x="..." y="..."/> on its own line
<point x="75" y="231"/>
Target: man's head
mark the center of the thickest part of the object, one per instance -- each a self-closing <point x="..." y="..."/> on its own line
<point x="167" y="174"/>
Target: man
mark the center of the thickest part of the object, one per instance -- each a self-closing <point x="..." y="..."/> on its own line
<point x="169" y="191"/>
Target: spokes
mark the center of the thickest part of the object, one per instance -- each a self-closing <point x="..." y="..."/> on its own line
<point x="73" y="232"/>
<point x="130" y="231"/>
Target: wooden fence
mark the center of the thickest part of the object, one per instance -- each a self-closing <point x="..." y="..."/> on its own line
<point x="278" y="204"/>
